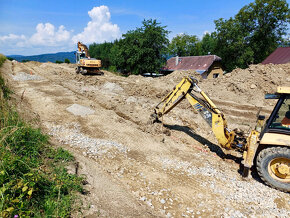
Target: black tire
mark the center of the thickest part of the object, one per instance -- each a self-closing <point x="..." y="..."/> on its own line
<point x="266" y="160"/>
<point x="77" y="70"/>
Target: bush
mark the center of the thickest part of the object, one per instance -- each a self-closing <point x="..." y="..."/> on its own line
<point x="2" y="59"/>
<point x="33" y="179"/>
<point x="113" y="69"/>
<point x="67" y="61"/>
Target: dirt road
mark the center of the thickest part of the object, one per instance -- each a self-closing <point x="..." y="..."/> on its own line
<point x="133" y="169"/>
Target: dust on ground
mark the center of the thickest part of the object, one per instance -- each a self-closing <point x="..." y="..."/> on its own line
<point x="134" y="169"/>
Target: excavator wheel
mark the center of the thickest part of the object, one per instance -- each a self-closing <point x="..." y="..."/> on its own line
<point x="77" y="70"/>
<point x="273" y="166"/>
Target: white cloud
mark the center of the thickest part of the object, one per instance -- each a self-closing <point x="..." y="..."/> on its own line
<point x="48" y="38"/>
<point x="100" y="28"/>
<point x="206" y="32"/>
<point x="12" y="37"/>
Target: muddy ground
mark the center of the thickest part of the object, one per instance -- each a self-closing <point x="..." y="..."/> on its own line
<point x="134" y="169"/>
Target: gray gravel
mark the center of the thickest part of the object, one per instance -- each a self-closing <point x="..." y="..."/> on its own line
<point x="233" y="189"/>
<point x="22" y="76"/>
<point x="93" y="147"/>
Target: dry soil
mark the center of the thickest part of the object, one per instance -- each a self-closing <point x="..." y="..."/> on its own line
<point x="134" y="169"/>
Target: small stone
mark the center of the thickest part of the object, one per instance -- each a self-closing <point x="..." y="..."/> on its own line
<point x="168" y="215"/>
<point x="143" y="198"/>
<point x="253" y="86"/>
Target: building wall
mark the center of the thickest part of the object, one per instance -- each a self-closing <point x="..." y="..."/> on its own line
<point x="216" y="69"/>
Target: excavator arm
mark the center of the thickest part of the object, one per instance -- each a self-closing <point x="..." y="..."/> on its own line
<point x="83" y="48"/>
<point x="204" y="106"/>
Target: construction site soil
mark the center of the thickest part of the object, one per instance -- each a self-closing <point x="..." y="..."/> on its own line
<point x="136" y="169"/>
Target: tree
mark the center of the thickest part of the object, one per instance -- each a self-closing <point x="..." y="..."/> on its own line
<point x="266" y="22"/>
<point x="184" y="45"/>
<point x="253" y="33"/>
<point x="58" y="62"/>
<point x="207" y="44"/>
<point x="141" y="50"/>
<point x="232" y="45"/>
<point x="102" y="52"/>
<point x="67" y="61"/>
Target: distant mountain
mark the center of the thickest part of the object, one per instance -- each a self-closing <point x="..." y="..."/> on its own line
<point x="60" y="56"/>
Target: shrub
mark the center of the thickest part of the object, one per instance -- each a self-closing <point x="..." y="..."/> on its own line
<point x="2" y="59"/>
<point x="113" y="69"/>
<point x="33" y="179"/>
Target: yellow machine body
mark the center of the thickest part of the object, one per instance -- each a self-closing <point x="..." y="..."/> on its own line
<point x="86" y="64"/>
<point x="268" y="143"/>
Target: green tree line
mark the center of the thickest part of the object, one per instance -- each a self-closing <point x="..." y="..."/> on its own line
<point x="247" y="38"/>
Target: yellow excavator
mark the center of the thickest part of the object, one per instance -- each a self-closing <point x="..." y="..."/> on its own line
<point x="86" y="64"/>
<point x="267" y="147"/>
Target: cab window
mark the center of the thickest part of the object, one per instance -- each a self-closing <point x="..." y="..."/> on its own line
<point x="282" y="118"/>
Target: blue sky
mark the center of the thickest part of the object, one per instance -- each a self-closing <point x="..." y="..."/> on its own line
<point x="30" y="27"/>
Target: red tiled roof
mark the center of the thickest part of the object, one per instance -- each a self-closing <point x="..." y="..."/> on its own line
<point x="201" y="63"/>
<point x="279" y="56"/>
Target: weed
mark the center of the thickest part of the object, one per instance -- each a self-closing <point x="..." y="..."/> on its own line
<point x="33" y="178"/>
<point x="60" y="155"/>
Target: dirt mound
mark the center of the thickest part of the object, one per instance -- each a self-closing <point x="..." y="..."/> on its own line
<point x="249" y="85"/>
<point x="246" y="86"/>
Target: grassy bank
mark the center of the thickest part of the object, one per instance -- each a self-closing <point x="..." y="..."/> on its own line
<point x="33" y="178"/>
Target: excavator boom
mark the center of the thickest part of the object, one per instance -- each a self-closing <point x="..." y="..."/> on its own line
<point x="204" y="106"/>
<point x="83" y="48"/>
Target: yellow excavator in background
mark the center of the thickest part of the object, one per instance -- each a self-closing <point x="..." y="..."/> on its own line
<point x="267" y="147"/>
<point x="86" y="64"/>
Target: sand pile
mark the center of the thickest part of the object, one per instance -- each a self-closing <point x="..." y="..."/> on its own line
<point x="251" y="84"/>
<point x="247" y="86"/>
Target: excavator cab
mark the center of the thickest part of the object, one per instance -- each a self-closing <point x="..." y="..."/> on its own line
<point x="273" y="152"/>
<point x="279" y="120"/>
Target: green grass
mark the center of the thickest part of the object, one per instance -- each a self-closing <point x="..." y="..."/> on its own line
<point x="33" y="177"/>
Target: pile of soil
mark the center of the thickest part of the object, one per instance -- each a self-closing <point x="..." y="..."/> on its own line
<point x="249" y="85"/>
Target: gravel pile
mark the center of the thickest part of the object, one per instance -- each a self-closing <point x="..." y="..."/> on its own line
<point x="93" y="147"/>
<point x="22" y="76"/>
<point x="259" y="197"/>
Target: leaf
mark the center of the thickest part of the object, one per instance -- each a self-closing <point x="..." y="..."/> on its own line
<point x="9" y="209"/>
<point x="19" y="184"/>
<point x="24" y="188"/>
<point x="15" y="201"/>
<point x="30" y="192"/>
